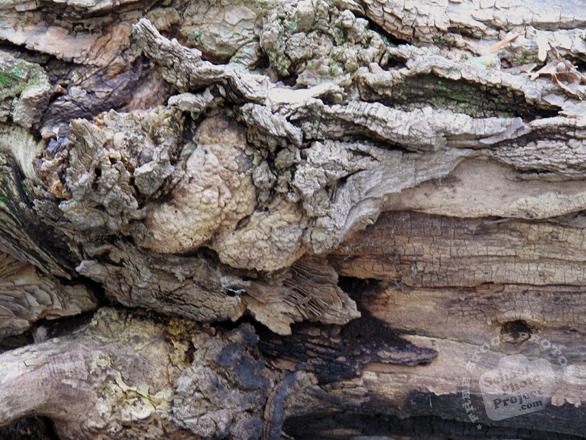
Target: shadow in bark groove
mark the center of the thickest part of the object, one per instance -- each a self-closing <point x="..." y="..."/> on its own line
<point x="336" y="352"/>
<point x="378" y="29"/>
<point x="322" y="428"/>
<point x="478" y="101"/>
<point x="30" y="428"/>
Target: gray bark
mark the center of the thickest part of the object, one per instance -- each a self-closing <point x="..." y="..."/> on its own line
<point x="364" y="187"/>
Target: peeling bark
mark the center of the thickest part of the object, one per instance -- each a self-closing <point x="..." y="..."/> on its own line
<point x="28" y="295"/>
<point x="325" y="207"/>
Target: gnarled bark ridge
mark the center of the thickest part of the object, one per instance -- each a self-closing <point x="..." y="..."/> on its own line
<point x="324" y="207"/>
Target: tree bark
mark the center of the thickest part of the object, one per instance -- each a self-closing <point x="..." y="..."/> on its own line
<point x="320" y="218"/>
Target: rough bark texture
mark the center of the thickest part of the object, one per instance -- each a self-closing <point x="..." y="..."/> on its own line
<point x="300" y="217"/>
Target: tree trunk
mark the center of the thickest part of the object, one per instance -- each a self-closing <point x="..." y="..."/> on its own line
<point x="324" y="219"/>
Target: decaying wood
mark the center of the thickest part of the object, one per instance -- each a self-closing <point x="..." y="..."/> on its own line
<point x="211" y="383"/>
<point x="345" y="176"/>
<point x="214" y="382"/>
<point x="437" y="251"/>
<point x="28" y="295"/>
<point x="97" y="372"/>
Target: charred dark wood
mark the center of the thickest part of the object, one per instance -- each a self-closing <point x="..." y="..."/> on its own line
<point x="369" y="185"/>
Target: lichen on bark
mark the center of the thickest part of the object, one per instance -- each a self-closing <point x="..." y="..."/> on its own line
<point x="230" y="161"/>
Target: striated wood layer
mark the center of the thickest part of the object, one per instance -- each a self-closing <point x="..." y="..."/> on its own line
<point x="326" y="218"/>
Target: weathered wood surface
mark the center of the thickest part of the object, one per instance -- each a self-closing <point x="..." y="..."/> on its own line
<point x="336" y="174"/>
<point x="134" y="373"/>
<point x="29" y="295"/>
<point x="438" y="251"/>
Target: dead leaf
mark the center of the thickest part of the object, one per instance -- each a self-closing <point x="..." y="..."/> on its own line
<point x="561" y="71"/>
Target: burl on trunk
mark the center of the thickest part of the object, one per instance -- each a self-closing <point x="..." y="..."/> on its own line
<point x="318" y="219"/>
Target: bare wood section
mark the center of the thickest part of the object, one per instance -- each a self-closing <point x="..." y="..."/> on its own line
<point x="476" y="315"/>
<point x="220" y="161"/>
<point x="435" y="251"/>
<point x="40" y="34"/>
<point x="438" y="389"/>
<point x="479" y="188"/>
<point x="426" y="20"/>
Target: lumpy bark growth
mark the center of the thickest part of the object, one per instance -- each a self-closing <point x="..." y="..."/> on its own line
<point x="239" y="219"/>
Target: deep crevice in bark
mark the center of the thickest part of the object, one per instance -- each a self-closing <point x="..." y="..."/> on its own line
<point x="334" y="353"/>
<point x="462" y="97"/>
<point x="277" y="180"/>
<point x="30" y="428"/>
<point x="350" y="425"/>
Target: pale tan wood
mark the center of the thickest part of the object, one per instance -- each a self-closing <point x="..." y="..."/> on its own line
<point x="292" y="164"/>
